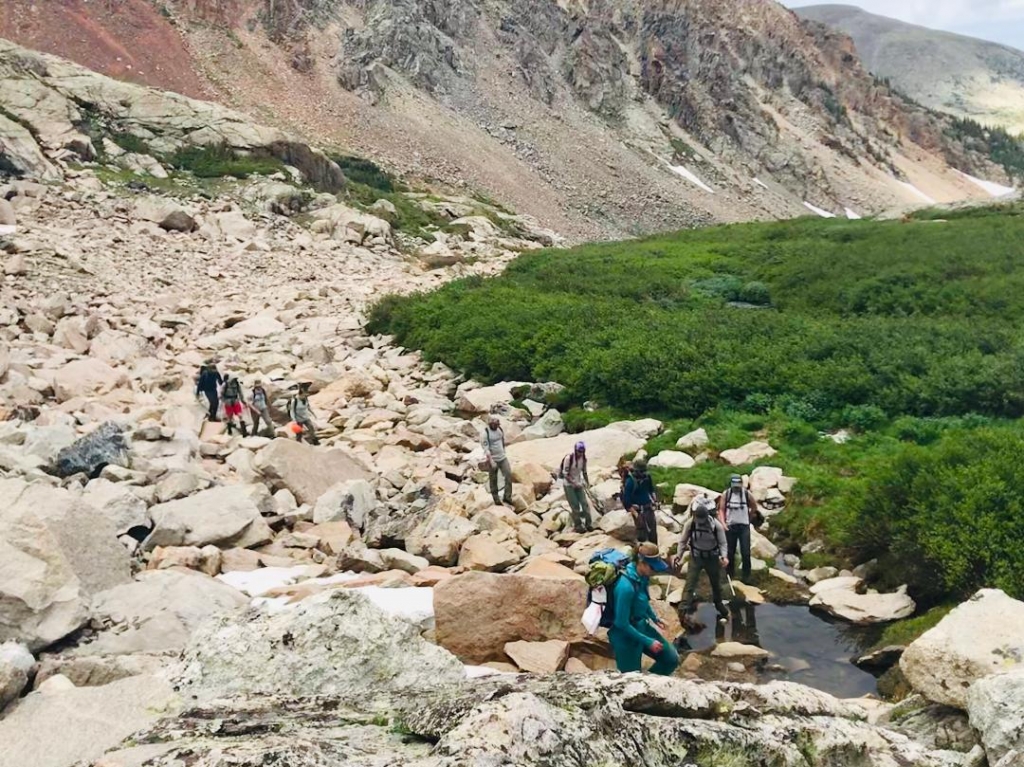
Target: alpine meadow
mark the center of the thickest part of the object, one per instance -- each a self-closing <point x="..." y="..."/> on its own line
<point x="904" y="333"/>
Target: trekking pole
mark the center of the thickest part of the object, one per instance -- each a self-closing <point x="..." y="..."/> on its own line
<point x="731" y="588"/>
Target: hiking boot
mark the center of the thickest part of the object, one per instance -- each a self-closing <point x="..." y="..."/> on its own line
<point x="497" y="501"/>
<point x="231" y="427"/>
<point x="723" y="617"/>
<point x="245" y="430"/>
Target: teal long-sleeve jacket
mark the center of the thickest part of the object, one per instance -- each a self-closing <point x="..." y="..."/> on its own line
<point x="633" y="606"/>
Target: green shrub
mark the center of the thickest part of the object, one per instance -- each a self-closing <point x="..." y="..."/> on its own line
<point x="220" y="160"/>
<point x="359" y="170"/>
<point x="947" y="519"/>
<point x="863" y="417"/>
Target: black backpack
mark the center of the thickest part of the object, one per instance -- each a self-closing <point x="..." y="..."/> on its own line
<point x="232" y="390"/>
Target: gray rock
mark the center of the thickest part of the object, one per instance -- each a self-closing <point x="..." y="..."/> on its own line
<point x="61" y="725"/>
<point x="89" y="455"/>
<point x="337" y="643"/>
<point x="16" y="664"/>
<point x="223" y="516"/>
<point x="307" y="471"/>
<point x="158" y="611"/>
<point x="98" y="670"/>
<point x="996" y="708"/>
<point x="352" y="501"/>
<point x="117" y="503"/>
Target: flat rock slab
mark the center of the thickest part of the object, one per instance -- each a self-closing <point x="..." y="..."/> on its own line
<point x="739" y="650"/>
<point x="604" y="448"/>
<point x="539" y="657"/>
<point x="222" y="516"/>
<point x="65" y="726"/>
<point x="864" y="608"/>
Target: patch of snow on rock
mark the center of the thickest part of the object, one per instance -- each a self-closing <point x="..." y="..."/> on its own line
<point x="818" y="211"/>
<point x="994" y="189"/>
<point x="692" y="177"/>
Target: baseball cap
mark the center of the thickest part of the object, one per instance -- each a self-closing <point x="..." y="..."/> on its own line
<point x="651" y="556"/>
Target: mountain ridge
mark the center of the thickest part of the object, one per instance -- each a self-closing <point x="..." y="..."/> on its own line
<point x="962" y="75"/>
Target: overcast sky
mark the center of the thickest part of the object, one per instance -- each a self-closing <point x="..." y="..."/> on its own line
<point x="1000" y="20"/>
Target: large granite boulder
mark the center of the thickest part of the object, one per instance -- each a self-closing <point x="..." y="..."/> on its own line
<point x="308" y="471"/>
<point x="981" y="637"/>
<point x="996" y="708"/>
<point x="223" y="516"/>
<point x="840" y="598"/>
<point x="337" y="643"/>
<point x="477" y="614"/>
<point x="89" y="455"/>
<point x="604" y="448"/>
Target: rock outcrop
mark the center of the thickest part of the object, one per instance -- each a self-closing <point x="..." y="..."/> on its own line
<point x="979" y="638"/>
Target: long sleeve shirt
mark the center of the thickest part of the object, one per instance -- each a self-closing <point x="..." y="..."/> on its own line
<point x="684" y="539"/>
<point x="633" y="605"/>
<point x="639" y="493"/>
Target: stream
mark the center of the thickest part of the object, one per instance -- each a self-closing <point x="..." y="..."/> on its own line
<point x="812" y="649"/>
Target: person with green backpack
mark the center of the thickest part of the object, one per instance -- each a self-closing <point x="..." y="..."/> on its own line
<point x="633" y="632"/>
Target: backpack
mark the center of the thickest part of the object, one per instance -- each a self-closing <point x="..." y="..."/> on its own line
<point x="606" y="566"/>
<point x="232" y="391"/>
<point x="703" y="538"/>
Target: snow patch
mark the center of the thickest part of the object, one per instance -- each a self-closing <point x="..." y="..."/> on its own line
<point x="7" y="229"/>
<point x="256" y="583"/>
<point x="818" y="211"/>
<point x="853" y="215"/>
<point x="994" y="189"/>
<point x="692" y="177"/>
<point x="414" y="604"/>
<point x="475" y="672"/>
<point x="760" y="183"/>
<point x="914" y="190"/>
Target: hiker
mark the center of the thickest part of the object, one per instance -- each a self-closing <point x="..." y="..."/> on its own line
<point x="736" y="508"/>
<point x="574" y="471"/>
<point x="259" y="404"/>
<point x="640" y="499"/>
<point x="233" y="397"/>
<point x="493" y="443"/>
<point x="704" y="537"/>
<point x="301" y="413"/>
<point x="632" y="634"/>
<point x="208" y="382"/>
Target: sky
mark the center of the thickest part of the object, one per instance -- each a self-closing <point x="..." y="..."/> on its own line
<point x="999" y="20"/>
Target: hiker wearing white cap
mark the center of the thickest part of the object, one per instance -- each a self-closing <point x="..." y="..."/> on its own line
<point x="574" y="471"/>
<point x="735" y="510"/>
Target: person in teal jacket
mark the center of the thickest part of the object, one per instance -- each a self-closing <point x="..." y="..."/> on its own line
<point x="632" y="634"/>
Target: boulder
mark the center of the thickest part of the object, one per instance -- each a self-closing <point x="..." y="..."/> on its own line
<point x="60" y="725"/>
<point x="761" y="547"/>
<point x="539" y="657"/>
<point x="485" y="398"/>
<point x="996" y="708"/>
<point x="535" y="476"/>
<point x="308" y="471"/>
<point x="604" y="449"/>
<point x="205" y="560"/>
<point x="97" y="670"/>
<point x="477" y="614"/>
<point x="848" y="605"/>
<point x="158" y="611"/>
<point x="16" y="666"/>
<point x="618" y="523"/>
<point x="117" y="503"/>
<point x="85" y="378"/>
<point x="440" y="536"/>
<point x="764" y="478"/>
<point x="165" y="213"/>
<point x="46" y="442"/>
<point x="396" y="559"/>
<point x="819" y="574"/>
<point x="671" y="459"/>
<point x="749" y="453"/>
<point x="738" y="650"/>
<point x="539" y="567"/>
<point x="645" y="428"/>
<point x="490" y="553"/>
<point x="351" y="501"/>
<point x="979" y="638"/>
<point x="548" y="425"/>
<point x="684" y="494"/>
<point x="89" y="455"/>
<point x="692" y="442"/>
<point x="337" y="644"/>
<point x="229" y="225"/>
<point x="7" y="217"/>
<point x="223" y="516"/>
<point x="333" y="537"/>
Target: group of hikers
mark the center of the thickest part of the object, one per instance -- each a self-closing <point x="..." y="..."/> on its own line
<point x="711" y="535"/>
<point x="226" y="392"/>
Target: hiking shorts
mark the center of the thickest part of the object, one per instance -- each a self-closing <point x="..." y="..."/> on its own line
<point x="231" y="409"/>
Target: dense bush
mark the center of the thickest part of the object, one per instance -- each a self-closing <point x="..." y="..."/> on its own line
<point x="218" y="161"/>
<point x="947" y="519"/>
<point x="359" y="170"/>
<point x="915" y="318"/>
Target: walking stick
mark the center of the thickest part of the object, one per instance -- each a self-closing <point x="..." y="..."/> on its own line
<point x="731" y="588"/>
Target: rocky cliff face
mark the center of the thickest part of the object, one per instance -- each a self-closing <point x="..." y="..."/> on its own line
<point x="606" y="117"/>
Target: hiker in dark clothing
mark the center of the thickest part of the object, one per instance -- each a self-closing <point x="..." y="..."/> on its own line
<point x="736" y="508"/>
<point x="208" y="383"/>
<point x="704" y="537"/>
<point x="640" y="499"/>
<point x="233" y="398"/>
